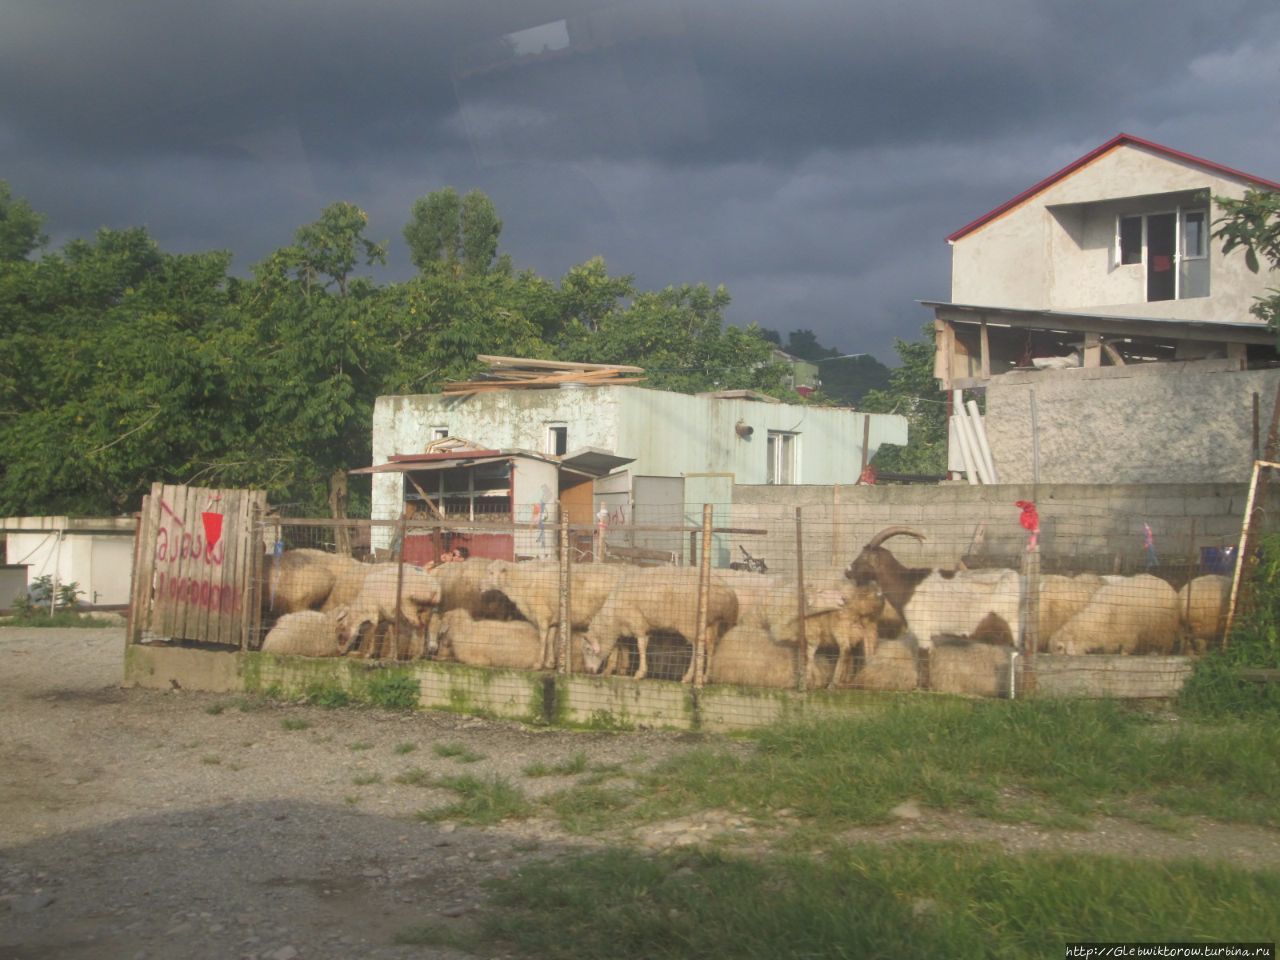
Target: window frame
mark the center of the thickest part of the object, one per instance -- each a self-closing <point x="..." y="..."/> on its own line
<point x="782" y="458"/>
<point x="1180" y="217"/>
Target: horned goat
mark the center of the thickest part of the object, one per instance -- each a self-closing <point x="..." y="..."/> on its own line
<point x="1136" y="614"/>
<point x="653" y="600"/>
<point x="980" y="605"/>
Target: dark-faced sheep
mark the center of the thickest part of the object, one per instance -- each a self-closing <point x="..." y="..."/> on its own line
<point x="534" y="588"/>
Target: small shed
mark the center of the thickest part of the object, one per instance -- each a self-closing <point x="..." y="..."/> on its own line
<point x="95" y="553"/>
<point x="455" y="480"/>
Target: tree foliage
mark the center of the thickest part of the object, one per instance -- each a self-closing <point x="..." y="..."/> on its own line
<point x="1253" y="223"/>
<point x="121" y="364"/>
<point x="913" y="393"/>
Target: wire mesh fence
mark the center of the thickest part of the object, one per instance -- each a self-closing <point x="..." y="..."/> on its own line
<point x="1063" y="597"/>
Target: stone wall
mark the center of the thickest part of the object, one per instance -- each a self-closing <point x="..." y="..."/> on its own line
<point x="1143" y="423"/>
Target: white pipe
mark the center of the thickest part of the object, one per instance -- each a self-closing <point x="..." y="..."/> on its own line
<point x="967" y="428"/>
<point x="1013" y="664"/>
<point x="966" y="455"/>
<point x="980" y="432"/>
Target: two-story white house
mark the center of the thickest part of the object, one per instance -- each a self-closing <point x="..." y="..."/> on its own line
<point x="1112" y="337"/>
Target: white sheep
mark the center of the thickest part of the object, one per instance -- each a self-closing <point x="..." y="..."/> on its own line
<point x="512" y="644"/>
<point x="1202" y="607"/>
<point x="419" y="592"/>
<point x="462" y="588"/>
<point x="892" y="667"/>
<point x="748" y="656"/>
<point x="838" y="614"/>
<point x="308" y="633"/>
<point x="658" y="599"/>
<point x="975" y="669"/>
<point x="1136" y="614"/>
<point x="1061" y="598"/>
<point x="306" y="579"/>
<point x="534" y="588"/>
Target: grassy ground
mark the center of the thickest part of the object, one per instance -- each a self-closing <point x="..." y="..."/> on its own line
<point x="807" y="894"/>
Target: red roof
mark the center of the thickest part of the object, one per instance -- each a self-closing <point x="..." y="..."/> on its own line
<point x="1116" y="141"/>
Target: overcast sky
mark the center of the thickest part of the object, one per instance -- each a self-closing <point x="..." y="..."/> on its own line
<point x="811" y="155"/>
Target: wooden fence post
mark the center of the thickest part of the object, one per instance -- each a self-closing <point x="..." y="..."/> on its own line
<point x="564" y="630"/>
<point x="802" y="638"/>
<point x="700" y="647"/>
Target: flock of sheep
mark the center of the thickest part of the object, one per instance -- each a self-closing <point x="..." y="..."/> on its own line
<point x="952" y="630"/>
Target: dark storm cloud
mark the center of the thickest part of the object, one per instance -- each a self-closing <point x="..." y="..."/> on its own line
<point x="811" y="156"/>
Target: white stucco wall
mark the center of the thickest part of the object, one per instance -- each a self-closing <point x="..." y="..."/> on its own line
<point x="667" y="434"/>
<point x="100" y="562"/>
<point x="1034" y="258"/>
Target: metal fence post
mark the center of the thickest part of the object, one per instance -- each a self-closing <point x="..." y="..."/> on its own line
<point x="401" y="527"/>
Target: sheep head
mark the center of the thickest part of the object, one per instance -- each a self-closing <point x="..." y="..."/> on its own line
<point x="594" y="654"/>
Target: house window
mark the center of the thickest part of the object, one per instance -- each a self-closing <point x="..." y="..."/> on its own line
<point x="1130" y="234"/>
<point x="1173" y="249"/>
<point x="780" y="449"/>
<point x="439" y="433"/>
<point x="557" y="439"/>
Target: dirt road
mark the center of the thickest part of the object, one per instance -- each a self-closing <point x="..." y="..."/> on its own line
<point x="142" y="825"/>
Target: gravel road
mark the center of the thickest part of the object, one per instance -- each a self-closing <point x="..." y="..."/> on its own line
<point x="141" y="824"/>
<point x="144" y="825"/>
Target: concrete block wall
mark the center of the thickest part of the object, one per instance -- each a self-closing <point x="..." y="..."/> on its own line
<point x="1083" y="526"/>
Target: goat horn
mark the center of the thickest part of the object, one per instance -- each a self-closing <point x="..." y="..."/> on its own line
<point x="888" y="532"/>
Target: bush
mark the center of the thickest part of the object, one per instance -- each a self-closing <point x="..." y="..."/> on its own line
<point x="1216" y="688"/>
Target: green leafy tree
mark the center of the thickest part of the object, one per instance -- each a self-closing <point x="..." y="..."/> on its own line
<point x="849" y="379"/>
<point x="459" y="232"/>
<point x="913" y="392"/>
<point x="19" y="227"/>
<point x="679" y="336"/>
<point x="1253" y="223"/>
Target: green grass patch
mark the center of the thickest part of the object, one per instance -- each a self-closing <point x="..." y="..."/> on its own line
<point x="362" y="745"/>
<point x="214" y="709"/>
<point x="326" y="693"/>
<point x="915" y="900"/>
<point x="457" y="751"/>
<point x="394" y="689"/>
<point x="403" y="748"/>
<point x="63" y="618"/>
<point x="212" y="759"/>
<point x="294" y="723"/>
<point x="589" y="810"/>
<point x="414" y="777"/>
<point x="364" y="779"/>
<point x="1051" y="762"/>
<point x="566" y="768"/>
<point x="438" y="934"/>
<point x="481" y="801"/>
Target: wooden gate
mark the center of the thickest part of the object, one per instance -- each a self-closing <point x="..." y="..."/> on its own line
<point x="196" y="566"/>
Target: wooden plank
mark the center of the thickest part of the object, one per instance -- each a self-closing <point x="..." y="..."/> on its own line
<point x="553" y="364"/>
<point x="1092" y="349"/>
<point x="985" y="351"/>
<point x="144" y="568"/>
<point x="1260" y="675"/>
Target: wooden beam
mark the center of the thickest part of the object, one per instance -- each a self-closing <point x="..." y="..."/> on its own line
<point x="1112" y="353"/>
<point x="1092" y="349"/>
<point x="985" y="342"/>
<point x="553" y="364"/>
